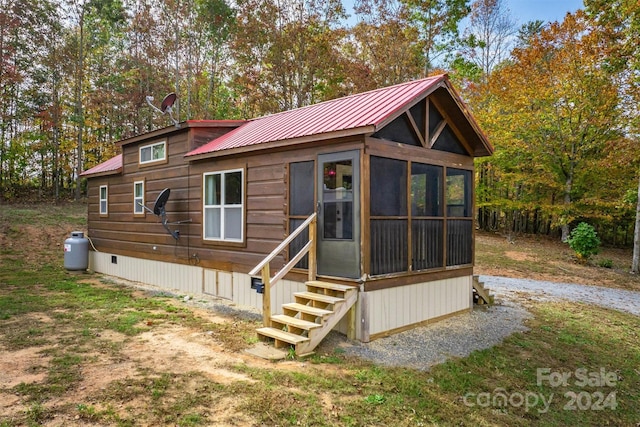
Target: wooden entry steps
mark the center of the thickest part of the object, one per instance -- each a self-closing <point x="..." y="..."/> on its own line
<point x="481" y="295"/>
<point x="315" y="312"/>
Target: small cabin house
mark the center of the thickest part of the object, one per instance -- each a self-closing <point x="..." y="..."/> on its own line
<point x="365" y="200"/>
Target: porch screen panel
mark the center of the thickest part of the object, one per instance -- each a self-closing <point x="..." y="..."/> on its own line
<point x="459" y="211"/>
<point x="389" y="216"/>
<point x="301" y="204"/>
<point x="301" y="178"/>
<point x="427" y="224"/>
<point x="426" y="190"/>
<point x="389" y="252"/>
<point x="459" y="203"/>
<point x="427" y="238"/>
<point x="459" y="241"/>
<point x="388" y="187"/>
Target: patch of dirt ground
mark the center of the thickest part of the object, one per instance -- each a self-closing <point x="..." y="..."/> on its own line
<point x="167" y="349"/>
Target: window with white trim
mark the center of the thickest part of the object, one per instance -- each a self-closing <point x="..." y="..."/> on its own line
<point x="104" y="200"/>
<point x="138" y="197"/>
<point x="223" y="206"/>
<point x="151" y="153"/>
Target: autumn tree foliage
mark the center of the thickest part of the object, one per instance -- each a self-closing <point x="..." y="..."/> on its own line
<point x="383" y="49"/>
<point x="619" y="22"/>
<point x="551" y="111"/>
<point x="287" y="53"/>
<point x="437" y="25"/>
<point x="558" y="101"/>
<point x="488" y="39"/>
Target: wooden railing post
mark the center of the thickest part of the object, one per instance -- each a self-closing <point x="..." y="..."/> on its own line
<point x="313" y="265"/>
<point x="266" y="295"/>
<point x="263" y="266"/>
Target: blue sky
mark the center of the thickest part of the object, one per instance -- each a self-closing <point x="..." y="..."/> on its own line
<point x="524" y="11"/>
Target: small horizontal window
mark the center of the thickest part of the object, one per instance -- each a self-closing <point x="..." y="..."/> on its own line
<point x="153" y="153"/>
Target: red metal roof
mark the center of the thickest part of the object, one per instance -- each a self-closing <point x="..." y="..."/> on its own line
<point x="111" y="166"/>
<point x="352" y="115"/>
<point x="368" y="109"/>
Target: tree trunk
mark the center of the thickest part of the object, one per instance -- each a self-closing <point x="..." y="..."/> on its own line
<point x="567" y="205"/>
<point x="79" y="106"/>
<point x="635" y="265"/>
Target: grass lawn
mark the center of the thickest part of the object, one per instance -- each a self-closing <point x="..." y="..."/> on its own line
<point x="83" y="350"/>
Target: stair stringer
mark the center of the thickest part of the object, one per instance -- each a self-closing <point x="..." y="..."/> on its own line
<point x="317" y="335"/>
<point x="484" y="296"/>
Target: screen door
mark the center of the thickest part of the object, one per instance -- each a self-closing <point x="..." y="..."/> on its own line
<point x="338" y="243"/>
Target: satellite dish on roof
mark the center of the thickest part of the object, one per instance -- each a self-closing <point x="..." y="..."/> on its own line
<point x="168" y="102"/>
<point x="166" y="107"/>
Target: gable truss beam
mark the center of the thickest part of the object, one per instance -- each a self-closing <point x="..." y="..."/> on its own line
<point x="414" y="126"/>
<point x="452" y="126"/>
<point x="437" y="132"/>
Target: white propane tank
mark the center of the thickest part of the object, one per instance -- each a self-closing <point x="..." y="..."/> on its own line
<point x="76" y="252"/>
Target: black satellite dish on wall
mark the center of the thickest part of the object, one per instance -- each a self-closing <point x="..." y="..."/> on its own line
<point x="161" y="202"/>
<point x="159" y="209"/>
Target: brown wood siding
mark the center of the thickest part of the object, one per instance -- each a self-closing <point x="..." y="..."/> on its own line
<point x="122" y="232"/>
<point x="144" y="236"/>
<point x="382" y="282"/>
<point x="266" y="217"/>
<point x="201" y="136"/>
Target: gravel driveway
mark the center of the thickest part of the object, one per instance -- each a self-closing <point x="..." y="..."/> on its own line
<point x="618" y="299"/>
<point x="484" y="327"/>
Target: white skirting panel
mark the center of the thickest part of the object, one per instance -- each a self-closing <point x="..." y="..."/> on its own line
<point x="403" y="306"/>
<point x="385" y="310"/>
<point x="218" y="283"/>
<point x="185" y="278"/>
<point x="193" y="280"/>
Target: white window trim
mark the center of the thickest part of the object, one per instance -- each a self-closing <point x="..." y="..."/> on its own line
<point x="223" y="206"/>
<point x="150" y="146"/>
<point x="105" y="200"/>
<point x="138" y="202"/>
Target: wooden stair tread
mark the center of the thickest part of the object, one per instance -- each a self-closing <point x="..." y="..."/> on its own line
<point x="282" y="335"/>
<point x="294" y="321"/>
<point x="318" y="297"/>
<point x="328" y="285"/>
<point x="307" y="309"/>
